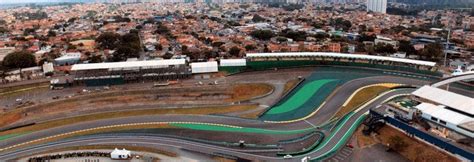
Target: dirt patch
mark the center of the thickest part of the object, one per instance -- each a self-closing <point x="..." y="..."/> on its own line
<point x="101" y="101"/>
<point x="108" y="115"/>
<point x="414" y="150"/>
<point x="290" y="84"/>
<point x="360" y="98"/>
<point x="241" y="92"/>
<point x="221" y="159"/>
<point x="10" y="117"/>
<point x="363" y="140"/>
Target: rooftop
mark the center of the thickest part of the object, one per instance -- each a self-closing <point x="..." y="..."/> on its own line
<point x="450" y="99"/>
<point x="128" y="64"/>
<point x="342" y="55"/>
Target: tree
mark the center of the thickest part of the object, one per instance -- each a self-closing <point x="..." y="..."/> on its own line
<point x="360" y="47"/>
<point x="362" y="28"/>
<point x="341" y="23"/>
<point x="295" y="35"/>
<point x="51" y="33"/>
<point x="365" y="37"/>
<point x="20" y="59"/>
<point x="262" y="34"/>
<point x="258" y="18"/>
<point x="108" y="40"/>
<point x="3" y="30"/>
<point x="95" y="59"/>
<point x="217" y="44"/>
<point x="234" y="51"/>
<point x="432" y="52"/>
<point x="162" y="29"/>
<point x="3" y="71"/>
<point x="397" y="143"/>
<point x="29" y="31"/>
<point x="384" y="48"/>
<point x="184" y="48"/>
<point x="167" y="55"/>
<point x="124" y="52"/>
<point x="265" y="49"/>
<point x="405" y="46"/>
<point x="281" y="39"/>
<point x="250" y="47"/>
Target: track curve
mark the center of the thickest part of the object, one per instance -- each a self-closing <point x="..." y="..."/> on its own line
<point x="323" y="114"/>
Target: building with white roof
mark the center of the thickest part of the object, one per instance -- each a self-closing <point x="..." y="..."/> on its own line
<point x="233" y="62"/>
<point x="452" y="120"/>
<point x="447" y="109"/>
<point x="68" y="59"/>
<point x="204" y="67"/>
<point x="451" y="100"/>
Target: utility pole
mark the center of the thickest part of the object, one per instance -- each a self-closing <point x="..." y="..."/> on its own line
<point x="447" y="46"/>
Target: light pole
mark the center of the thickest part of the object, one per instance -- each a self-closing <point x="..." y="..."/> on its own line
<point x="447" y="46"/>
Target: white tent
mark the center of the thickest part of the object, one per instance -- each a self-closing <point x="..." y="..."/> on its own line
<point x="204" y="67"/>
<point x="120" y="154"/>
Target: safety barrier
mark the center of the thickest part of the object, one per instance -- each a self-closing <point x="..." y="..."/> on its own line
<point x="427" y="137"/>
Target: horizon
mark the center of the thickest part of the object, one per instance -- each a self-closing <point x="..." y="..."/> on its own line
<point x="41" y="1"/>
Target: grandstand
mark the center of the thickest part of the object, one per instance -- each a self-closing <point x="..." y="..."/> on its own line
<point x="97" y="74"/>
<point x="339" y="57"/>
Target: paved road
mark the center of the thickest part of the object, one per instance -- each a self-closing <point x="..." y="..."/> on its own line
<point x="321" y="116"/>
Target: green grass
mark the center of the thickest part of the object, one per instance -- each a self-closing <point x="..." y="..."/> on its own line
<point x="301" y="97"/>
<point x="4" y="137"/>
<point x="205" y="127"/>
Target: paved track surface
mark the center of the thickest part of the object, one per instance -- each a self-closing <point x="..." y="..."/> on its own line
<point x="322" y="115"/>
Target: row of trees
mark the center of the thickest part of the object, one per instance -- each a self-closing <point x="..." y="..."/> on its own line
<point x="15" y="60"/>
<point x="125" y="46"/>
<point x="20" y="59"/>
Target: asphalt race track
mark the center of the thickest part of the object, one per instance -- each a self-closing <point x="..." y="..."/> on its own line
<point x="13" y="148"/>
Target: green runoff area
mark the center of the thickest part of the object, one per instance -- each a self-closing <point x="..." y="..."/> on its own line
<point x="310" y="94"/>
<point x="4" y="137"/>
<point x="300" y="97"/>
